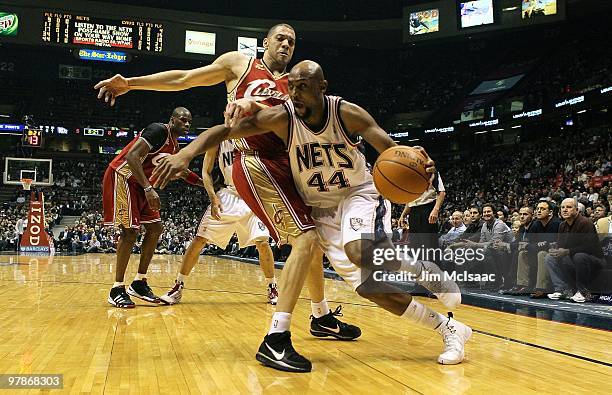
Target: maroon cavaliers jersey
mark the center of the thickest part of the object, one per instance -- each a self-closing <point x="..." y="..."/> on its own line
<point x="161" y="142"/>
<point x="260" y="84"/>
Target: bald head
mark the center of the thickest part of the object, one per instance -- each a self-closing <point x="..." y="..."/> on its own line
<point x="181" y="112"/>
<point x="180" y="121"/>
<point x="307" y="69"/>
<point x="456" y="219"/>
<point x="569" y="209"/>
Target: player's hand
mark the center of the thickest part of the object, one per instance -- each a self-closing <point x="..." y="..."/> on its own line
<point x="215" y="208"/>
<point x="112" y="87"/>
<point x="236" y="110"/>
<point x="153" y="200"/>
<point x="169" y="168"/>
<point x="430" y="165"/>
<point x="433" y="216"/>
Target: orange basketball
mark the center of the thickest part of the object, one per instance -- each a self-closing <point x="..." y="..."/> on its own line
<point x="399" y="174"/>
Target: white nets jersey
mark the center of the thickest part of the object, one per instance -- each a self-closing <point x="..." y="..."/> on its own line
<point x="226" y="159"/>
<point x="326" y="164"/>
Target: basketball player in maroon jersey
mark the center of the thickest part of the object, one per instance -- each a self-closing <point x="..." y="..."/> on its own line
<point x="130" y="201"/>
<point x="260" y="165"/>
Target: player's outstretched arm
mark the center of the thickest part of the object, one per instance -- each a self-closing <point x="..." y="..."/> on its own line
<point x="222" y="69"/>
<point x="273" y="119"/>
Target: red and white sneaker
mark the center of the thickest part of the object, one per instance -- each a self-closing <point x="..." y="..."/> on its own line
<point x="272" y="294"/>
<point x="174" y="295"/>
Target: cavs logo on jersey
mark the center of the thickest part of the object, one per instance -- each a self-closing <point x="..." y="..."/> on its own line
<point x="279" y="217"/>
<point x="263" y="89"/>
<point x="157" y="158"/>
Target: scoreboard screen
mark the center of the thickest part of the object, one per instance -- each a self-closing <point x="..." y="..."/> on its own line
<point x="32" y="137"/>
<point x="74" y="29"/>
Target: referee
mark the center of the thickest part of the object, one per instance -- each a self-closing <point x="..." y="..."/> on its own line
<point x="423" y="215"/>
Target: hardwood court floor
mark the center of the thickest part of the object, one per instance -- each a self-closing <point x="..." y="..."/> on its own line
<point x="54" y="318"/>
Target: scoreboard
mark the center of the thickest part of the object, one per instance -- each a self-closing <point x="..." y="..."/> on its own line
<point x="78" y="29"/>
<point x="32" y="137"/>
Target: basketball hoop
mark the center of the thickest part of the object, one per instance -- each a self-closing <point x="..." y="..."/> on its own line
<point x="27" y="183"/>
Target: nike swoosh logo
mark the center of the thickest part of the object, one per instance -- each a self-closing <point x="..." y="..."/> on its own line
<point x="278" y="356"/>
<point x="335" y="330"/>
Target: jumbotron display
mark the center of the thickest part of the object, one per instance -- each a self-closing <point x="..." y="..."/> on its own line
<point x="72" y="29"/>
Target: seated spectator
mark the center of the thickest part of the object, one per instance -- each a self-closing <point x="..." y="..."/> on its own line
<point x="523" y="255"/>
<point x="495" y="238"/>
<point x="467" y="218"/>
<point x="516" y="227"/>
<point x="455" y="231"/>
<point x="599" y="212"/>
<point x="545" y="231"/>
<point x="93" y="245"/>
<point x="578" y="258"/>
<point x="472" y="231"/>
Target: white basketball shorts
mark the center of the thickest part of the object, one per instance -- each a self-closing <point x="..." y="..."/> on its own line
<point x="236" y="217"/>
<point x="362" y="214"/>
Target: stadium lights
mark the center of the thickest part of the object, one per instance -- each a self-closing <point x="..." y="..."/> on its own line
<point x="509" y="8"/>
<point x="497" y="130"/>
<point x="413" y="140"/>
<point x="5" y="116"/>
<point x="481" y="132"/>
<point x="581" y="111"/>
<point x="517" y="126"/>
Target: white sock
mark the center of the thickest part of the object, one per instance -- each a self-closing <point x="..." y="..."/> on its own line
<point x="319" y="309"/>
<point x="139" y="276"/>
<point x="423" y="315"/>
<point x="271" y="280"/>
<point x="280" y="323"/>
<point x="118" y="284"/>
<point x="181" y="277"/>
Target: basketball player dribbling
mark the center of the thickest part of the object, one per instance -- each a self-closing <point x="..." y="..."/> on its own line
<point x="259" y="170"/>
<point x="130" y="201"/>
<point x="350" y="215"/>
<point x="227" y="214"/>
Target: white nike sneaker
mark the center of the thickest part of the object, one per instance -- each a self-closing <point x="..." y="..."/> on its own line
<point x="578" y="298"/>
<point x="446" y="290"/>
<point x="455" y="335"/>
<point x="174" y="295"/>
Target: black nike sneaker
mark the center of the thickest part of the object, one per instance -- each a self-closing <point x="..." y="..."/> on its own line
<point x="277" y="352"/>
<point x="119" y="298"/>
<point x="329" y="325"/>
<point x="141" y="290"/>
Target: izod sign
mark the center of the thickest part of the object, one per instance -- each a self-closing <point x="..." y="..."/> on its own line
<point x="8" y="24"/>
<point x="35" y="239"/>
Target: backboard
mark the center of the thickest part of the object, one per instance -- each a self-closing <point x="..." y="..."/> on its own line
<point x="39" y="170"/>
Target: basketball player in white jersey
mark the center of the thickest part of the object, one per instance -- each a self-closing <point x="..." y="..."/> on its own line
<point x="227" y="214"/>
<point x="330" y="173"/>
<point x="252" y="83"/>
